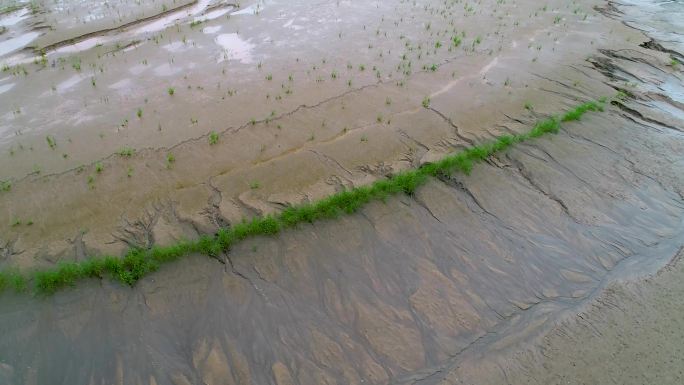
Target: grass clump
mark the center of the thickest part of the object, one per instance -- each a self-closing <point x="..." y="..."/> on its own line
<point x="137" y="263"/>
<point x="213" y="138"/>
<point x="14" y="280"/>
<point x="5" y="185"/>
<point x="576" y="113"/>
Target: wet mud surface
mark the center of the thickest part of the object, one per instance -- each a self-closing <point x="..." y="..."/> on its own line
<point x="633" y="329"/>
<point x="404" y="291"/>
<point x="465" y="282"/>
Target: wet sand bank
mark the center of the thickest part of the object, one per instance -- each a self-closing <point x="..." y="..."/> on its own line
<point x="474" y="279"/>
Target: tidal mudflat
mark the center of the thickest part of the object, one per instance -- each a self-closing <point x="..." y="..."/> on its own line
<point x="135" y="125"/>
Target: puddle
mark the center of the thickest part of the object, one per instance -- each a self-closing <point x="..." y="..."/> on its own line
<point x="211" y="30"/>
<point x="14" y="17"/>
<point x="17" y="43"/>
<point x="6" y="87"/>
<point x="81" y="46"/>
<point x="215" y="14"/>
<point x="673" y="89"/>
<point x="668" y="108"/>
<point x="661" y="19"/>
<point x="166" y="70"/>
<point x="251" y="10"/>
<point x="137" y="69"/>
<point x="177" y="46"/>
<point x="122" y="84"/>
<point x="166" y="21"/>
<point x="69" y="83"/>
<point x="145" y="27"/>
<point x="234" y="48"/>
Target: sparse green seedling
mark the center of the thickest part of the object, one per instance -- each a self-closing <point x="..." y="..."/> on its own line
<point x="171" y="91"/>
<point x="170" y="159"/>
<point x="254" y="185"/>
<point x="139" y="113"/>
<point x="99" y="167"/>
<point x="51" y="142"/>
<point x="426" y="102"/>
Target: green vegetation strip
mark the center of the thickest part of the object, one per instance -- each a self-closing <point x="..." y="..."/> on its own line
<point x="137" y="263"/>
